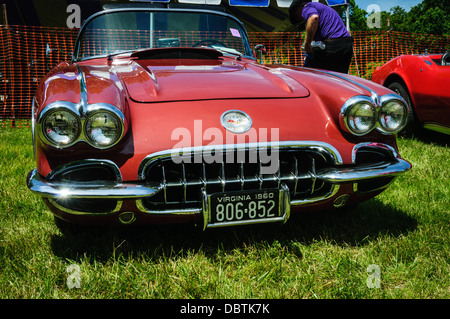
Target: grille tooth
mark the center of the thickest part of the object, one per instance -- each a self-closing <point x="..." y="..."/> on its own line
<point x="182" y="183"/>
<point x="295" y="173"/>
<point x="164" y="182"/>
<point x="313" y="174"/>
<point x="222" y="178"/>
<point x="260" y="176"/>
<point x="241" y="175"/>
<point x="278" y="175"/>
<point x="204" y="180"/>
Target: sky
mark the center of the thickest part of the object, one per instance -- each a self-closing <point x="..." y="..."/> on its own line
<point x="386" y="5"/>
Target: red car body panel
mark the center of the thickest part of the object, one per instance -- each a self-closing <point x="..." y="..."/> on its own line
<point x="152" y="129"/>
<point x="427" y="83"/>
<point x="179" y="103"/>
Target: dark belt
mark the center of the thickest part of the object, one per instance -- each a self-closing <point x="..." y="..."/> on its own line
<point x="338" y="39"/>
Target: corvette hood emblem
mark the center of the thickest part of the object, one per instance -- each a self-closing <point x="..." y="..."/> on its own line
<point x="236" y="121"/>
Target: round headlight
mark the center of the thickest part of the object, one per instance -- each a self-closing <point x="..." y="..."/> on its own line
<point x="103" y="129"/>
<point x="361" y="118"/>
<point x="392" y="116"/>
<point x="61" y="128"/>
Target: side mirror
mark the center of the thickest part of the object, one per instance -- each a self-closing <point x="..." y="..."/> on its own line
<point x="48" y="50"/>
<point x="53" y="54"/>
<point x="259" y="49"/>
<point x="445" y="60"/>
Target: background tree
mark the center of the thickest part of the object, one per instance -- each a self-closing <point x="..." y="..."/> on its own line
<point x="430" y="17"/>
<point x="427" y="17"/>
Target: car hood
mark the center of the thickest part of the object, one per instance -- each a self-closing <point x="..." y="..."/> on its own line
<point x="203" y="79"/>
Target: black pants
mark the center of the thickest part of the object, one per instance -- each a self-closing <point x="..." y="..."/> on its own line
<point x="337" y="55"/>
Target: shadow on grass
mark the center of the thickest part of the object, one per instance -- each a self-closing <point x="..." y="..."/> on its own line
<point x="356" y="226"/>
<point x="430" y="137"/>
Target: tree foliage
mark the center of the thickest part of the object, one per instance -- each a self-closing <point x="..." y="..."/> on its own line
<point x="427" y="17"/>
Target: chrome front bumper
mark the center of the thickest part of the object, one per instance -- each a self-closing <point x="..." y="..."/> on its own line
<point x="121" y="190"/>
<point x="153" y="193"/>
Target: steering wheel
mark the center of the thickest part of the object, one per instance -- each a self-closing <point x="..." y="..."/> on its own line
<point x="445" y="60"/>
<point x="210" y="41"/>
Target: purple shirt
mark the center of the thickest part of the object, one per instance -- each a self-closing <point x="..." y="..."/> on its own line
<point x="330" y="23"/>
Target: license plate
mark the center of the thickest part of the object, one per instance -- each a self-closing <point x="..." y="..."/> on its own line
<point x="246" y="207"/>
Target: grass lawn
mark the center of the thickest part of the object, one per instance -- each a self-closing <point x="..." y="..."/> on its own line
<point x="394" y="246"/>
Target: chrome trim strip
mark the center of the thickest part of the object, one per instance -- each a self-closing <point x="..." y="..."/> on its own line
<point x="373" y="94"/>
<point x="373" y="145"/>
<point x="33" y="125"/>
<point x="88" y="190"/>
<point x="87" y="162"/>
<point x="356" y="188"/>
<point x="190" y="211"/>
<point x="300" y="202"/>
<point x="83" y="91"/>
<point x="437" y="127"/>
<point x="74" y="212"/>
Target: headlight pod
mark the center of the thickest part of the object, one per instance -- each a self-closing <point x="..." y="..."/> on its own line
<point x="361" y="114"/>
<point x="103" y="129"/>
<point x="61" y="127"/>
<point x="62" y="124"/>
<point x="393" y="114"/>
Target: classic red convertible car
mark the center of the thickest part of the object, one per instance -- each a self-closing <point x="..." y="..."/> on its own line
<point x="165" y="116"/>
<point x="424" y="82"/>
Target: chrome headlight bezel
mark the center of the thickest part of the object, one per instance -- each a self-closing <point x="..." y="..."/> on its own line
<point x="82" y="115"/>
<point x="385" y="101"/>
<point x="95" y="139"/>
<point x="378" y="106"/>
<point x="349" y="110"/>
<point x="64" y="133"/>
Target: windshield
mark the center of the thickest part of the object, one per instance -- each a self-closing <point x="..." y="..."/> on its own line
<point x="116" y="31"/>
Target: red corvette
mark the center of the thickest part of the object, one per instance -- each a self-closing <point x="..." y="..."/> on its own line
<point x="165" y="116"/>
<point x="424" y="82"/>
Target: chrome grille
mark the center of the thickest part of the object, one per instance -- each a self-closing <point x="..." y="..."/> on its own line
<point x="182" y="182"/>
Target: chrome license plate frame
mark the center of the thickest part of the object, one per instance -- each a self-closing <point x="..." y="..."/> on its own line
<point x="246" y="207"/>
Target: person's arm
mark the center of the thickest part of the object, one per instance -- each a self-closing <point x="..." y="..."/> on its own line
<point x="311" y="28"/>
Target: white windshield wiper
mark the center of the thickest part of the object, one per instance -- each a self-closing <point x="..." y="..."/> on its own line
<point x="228" y="50"/>
<point x="119" y="52"/>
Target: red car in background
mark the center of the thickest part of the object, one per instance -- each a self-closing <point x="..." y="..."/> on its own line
<point x="165" y="116"/>
<point x="424" y="82"/>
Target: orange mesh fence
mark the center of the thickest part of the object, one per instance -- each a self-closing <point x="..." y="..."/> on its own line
<point x="23" y="62"/>
<point x="371" y="49"/>
<point x="27" y="53"/>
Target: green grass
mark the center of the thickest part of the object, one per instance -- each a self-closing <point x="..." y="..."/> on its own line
<point x="404" y="231"/>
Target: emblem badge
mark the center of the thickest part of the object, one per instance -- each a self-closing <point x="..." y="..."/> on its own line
<point x="236" y="121"/>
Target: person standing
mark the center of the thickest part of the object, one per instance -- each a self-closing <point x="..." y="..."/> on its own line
<point x="323" y="24"/>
